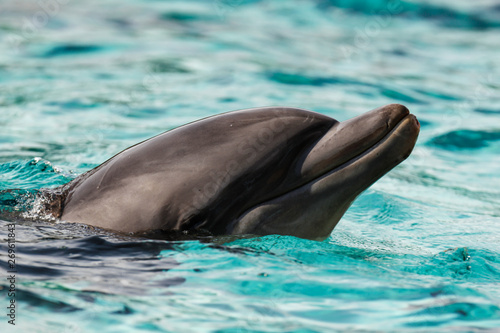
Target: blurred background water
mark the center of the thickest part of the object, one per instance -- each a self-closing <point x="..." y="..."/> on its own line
<point x="418" y="251"/>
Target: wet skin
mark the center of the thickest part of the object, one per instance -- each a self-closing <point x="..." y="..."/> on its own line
<point x="272" y="170"/>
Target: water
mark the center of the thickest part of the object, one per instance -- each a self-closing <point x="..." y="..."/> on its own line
<point x="418" y="251"/>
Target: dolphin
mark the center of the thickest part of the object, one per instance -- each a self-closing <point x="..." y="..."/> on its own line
<point x="270" y="170"/>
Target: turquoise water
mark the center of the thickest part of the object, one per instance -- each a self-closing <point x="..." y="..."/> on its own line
<point x="419" y="251"/>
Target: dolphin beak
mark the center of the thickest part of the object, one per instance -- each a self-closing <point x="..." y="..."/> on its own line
<point x="348" y="139"/>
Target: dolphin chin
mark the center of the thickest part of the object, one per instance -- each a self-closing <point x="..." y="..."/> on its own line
<point x="261" y="171"/>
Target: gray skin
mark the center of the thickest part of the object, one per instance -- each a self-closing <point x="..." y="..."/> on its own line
<point x="272" y="170"/>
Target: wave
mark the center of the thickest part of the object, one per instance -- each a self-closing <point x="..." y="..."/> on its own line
<point x="439" y="14"/>
<point x="465" y="139"/>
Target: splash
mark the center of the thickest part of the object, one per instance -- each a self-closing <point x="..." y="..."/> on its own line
<point x="31" y="205"/>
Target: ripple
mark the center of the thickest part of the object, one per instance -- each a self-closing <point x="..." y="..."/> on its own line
<point x="400" y="96"/>
<point x="466" y="139"/>
<point x="438" y="95"/>
<point x="302" y="79"/>
<point x="167" y="66"/>
<point x="99" y="246"/>
<point x="141" y="113"/>
<point x="487" y="111"/>
<point x="38" y="301"/>
<point x="441" y="15"/>
<point x="186" y="16"/>
<point x="73" y="104"/>
<point x="67" y="253"/>
<point x="459" y="310"/>
<point x="32" y="174"/>
<point x="71" y="49"/>
<point x="453" y="263"/>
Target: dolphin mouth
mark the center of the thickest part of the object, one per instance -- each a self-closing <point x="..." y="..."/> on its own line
<point x="395" y="144"/>
<point x="405" y="128"/>
<point x="349" y="139"/>
<point x="398" y="124"/>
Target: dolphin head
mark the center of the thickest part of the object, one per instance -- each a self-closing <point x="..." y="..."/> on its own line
<point x="335" y="169"/>
<point x="260" y="171"/>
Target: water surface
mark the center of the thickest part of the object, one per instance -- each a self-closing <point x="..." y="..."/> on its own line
<point x="418" y="251"/>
